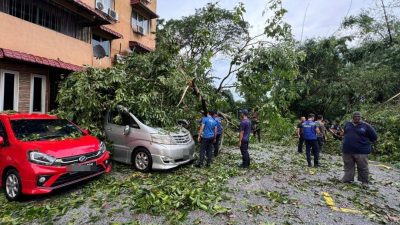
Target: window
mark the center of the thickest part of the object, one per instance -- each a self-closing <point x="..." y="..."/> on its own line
<point x="122" y="119"/>
<point x="103" y="42"/>
<point x="9" y="90"/>
<point x="44" y="129"/>
<point x="38" y="93"/>
<point x="3" y="133"/>
<point x="46" y="14"/>
<point x="140" y="24"/>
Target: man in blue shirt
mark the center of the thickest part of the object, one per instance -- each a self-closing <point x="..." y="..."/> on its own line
<point x="357" y="144"/>
<point x="310" y="131"/>
<point x="244" y="135"/>
<point x="219" y="134"/>
<point x="207" y="136"/>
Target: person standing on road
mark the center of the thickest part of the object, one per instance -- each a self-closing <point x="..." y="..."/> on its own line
<point x="322" y="134"/>
<point x="255" y="122"/>
<point x="217" y="143"/>
<point x="207" y="136"/>
<point x="300" y="135"/>
<point x="357" y="144"/>
<point x="336" y="130"/>
<point x="310" y="132"/>
<point x="244" y="135"/>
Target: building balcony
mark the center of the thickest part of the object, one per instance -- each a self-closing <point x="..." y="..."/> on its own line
<point x="144" y="6"/>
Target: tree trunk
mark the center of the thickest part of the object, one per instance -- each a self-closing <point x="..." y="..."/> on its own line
<point x="196" y="92"/>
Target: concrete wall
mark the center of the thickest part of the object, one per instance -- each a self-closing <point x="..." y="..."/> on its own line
<point x="20" y="35"/>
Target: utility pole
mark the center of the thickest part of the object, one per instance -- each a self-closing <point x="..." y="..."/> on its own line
<point x="387" y="23"/>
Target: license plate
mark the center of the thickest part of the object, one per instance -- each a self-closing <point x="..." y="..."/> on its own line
<point x="82" y="167"/>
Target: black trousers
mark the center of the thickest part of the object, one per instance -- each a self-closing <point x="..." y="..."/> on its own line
<point x="312" y="145"/>
<point x="206" y="147"/>
<point x="257" y="132"/>
<point x="300" y="145"/>
<point x="244" y="149"/>
<point x="321" y="141"/>
<point x="217" y="145"/>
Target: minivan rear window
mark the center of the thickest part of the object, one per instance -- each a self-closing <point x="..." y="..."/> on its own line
<point x="44" y="129"/>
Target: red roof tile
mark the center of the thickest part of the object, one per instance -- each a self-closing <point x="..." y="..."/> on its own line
<point x="7" y="53"/>
<point x="113" y="33"/>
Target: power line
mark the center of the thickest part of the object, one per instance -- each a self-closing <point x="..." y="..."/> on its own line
<point x="348" y="11"/>
<point x="304" y="19"/>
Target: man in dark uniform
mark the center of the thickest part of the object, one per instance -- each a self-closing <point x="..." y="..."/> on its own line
<point x="357" y="144"/>
<point x="300" y="135"/>
<point x="322" y="133"/>
<point x="219" y="134"/>
<point x="255" y="123"/>
<point x="336" y="130"/>
<point x="244" y="135"/>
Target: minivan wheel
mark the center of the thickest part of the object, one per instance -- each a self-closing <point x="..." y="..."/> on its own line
<point x="142" y="160"/>
<point x="12" y="185"/>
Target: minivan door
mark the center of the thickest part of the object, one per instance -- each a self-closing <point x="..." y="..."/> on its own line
<point x="114" y="128"/>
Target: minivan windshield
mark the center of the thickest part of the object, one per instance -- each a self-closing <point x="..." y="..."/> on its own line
<point x="44" y="129"/>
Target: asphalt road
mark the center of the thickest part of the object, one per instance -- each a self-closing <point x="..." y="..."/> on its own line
<point x="278" y="189"/>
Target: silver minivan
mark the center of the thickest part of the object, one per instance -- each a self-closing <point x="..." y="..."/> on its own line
<point x="146" y="147"/>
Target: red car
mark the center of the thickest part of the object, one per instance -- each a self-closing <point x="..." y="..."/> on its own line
<point x="40" y="153"/>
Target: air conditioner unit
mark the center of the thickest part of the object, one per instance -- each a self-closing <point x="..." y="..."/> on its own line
<point x="99" y="5"/>
<point x="140" y="30"/>
<point x="113" y="14"/>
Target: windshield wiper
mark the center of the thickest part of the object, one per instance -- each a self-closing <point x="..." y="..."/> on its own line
<point x="50" y="137"/>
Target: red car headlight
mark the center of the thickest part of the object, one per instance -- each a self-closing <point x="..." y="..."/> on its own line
<point x="41" y="158"/>
<point x="102" y="149"/>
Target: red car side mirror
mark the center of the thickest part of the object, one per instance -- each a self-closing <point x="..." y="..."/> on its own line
<point x="86" y="132"/>
<point x="1" y="141"/>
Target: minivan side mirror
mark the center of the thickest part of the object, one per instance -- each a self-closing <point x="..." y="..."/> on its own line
<point x="86" y="132"/>
<point x="1" y="141"/>
<point x="127" y="130"/>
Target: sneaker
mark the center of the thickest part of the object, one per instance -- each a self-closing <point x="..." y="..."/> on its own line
<point x="347" y="181"/>
<point x="316" y="165"/>
<point x="243" y="167"/>
<point x="365" y="185"/>
<point x="309" y="165"/>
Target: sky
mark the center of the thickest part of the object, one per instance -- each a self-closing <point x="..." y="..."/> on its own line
<point x="321" y="18"/>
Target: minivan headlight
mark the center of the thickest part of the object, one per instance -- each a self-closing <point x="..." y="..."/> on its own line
<point x="162" y="139"/>
<point x="102" y="148"/>
<point x="41" y="158"/>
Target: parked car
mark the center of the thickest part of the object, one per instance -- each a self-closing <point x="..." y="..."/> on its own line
<point x="146" y="147"/>
<point x="40" y="153"/>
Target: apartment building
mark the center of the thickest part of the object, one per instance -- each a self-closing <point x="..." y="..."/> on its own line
<point x="43" y="40"/>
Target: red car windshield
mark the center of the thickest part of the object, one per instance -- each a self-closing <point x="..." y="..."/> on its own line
<point x="44" y="129"/>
